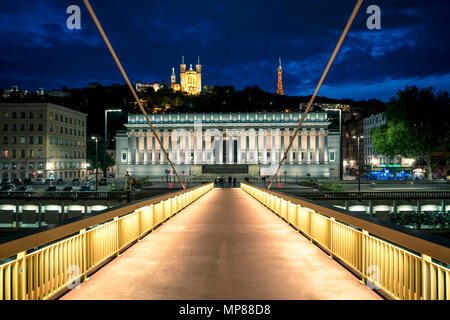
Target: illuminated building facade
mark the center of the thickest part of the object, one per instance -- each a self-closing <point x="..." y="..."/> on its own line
<point x="190" y="80"/>
<point x="42" y="140"/>
<point x="228" y="143"/>
<point x="280" y="79"/>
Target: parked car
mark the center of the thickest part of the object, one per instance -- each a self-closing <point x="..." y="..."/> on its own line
<point x="25" y="189"/>
<point x="85" y="188"/>
<point x="17" y="181"/>
<point x="68" y="189"/>
<point x="39" y="181"/>
<point x="60" y="182"/>
<point x="6" y="181"/>
<point x="8" y="187"/>
<point x="76" y="181"/>
<point x="103" y="182"/>
<point x="51" y="188"/>
<point x="27" y="182"/>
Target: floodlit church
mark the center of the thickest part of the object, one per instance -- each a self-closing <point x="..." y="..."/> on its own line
<point x="208" y="145"/>
<point x="190" y="80"/>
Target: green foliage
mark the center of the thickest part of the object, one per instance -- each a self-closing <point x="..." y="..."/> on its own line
<point x="417" y="124"/>
<point x="90" y="153"/>
<point x="332" y="186"/>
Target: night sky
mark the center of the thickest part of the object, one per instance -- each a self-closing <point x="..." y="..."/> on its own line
<point x="238" y="42"/>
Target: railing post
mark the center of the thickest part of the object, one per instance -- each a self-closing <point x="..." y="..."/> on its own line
<point x="427" y="286"/>
<point x="116" y="221"/>
<point x="84" y="253"/>
<point x="332" y="221"/>
<point x="364" y="252"/>
<point x="22" y="275"/>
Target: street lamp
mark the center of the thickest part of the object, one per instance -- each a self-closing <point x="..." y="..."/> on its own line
<point x="106" y="138"/>
<point x="359" y="162"/>
<point x="96" y="162"/>
<point x="341" y="165"/>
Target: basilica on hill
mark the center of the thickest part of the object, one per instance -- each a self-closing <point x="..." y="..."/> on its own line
<point x="190" y="80"/>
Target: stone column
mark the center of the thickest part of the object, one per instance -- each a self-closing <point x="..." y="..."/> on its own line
<point x="239" y="147"/>
<point x="161" y="152"/>
<point x="153" y="149"/>
<point x="145" y="149"/>
<point x="187" y="151"/>
<point x="299" y="141"/>
<point x="325" y="148"/>
<point x="308" y="147"/>
<point x="220" y="148"/>
<point x="317" y="151"/>
<point x="264" y="157"/>
<point x="137" y="160"/>
<point x="247" y="147"/>
<point x="291" y="150"/>
<point x="129" y="150"/>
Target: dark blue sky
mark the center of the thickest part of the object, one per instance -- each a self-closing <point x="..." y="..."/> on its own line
<point x="239" y="43"/>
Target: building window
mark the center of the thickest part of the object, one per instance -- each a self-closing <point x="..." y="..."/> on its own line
<point x="14" y="115"/>
<point x="13" y="140"/>
<point x="31" y="115"/>
<point x="40" y="165"/>
<point x="31" y="165"/>
<point x="5" y="115"/>
<point x="124" y="156"/>
<point x="40" y="153"/>
<point x="51" y="140"/>
<point x="13" y="165"/>
<point x="22" y="153"/>
<point x="40" y="140"/>
<point x="31" y="153"/>
<point x="50" y="127"/>
<point x="14" y="127"/>
<point x="22" y="140"/>
<point x="332" y="156"/>
<point x="14" y="153"/>
<point x="61" y="130"/>
<point x="5" y="139"/>
<point x="41" y="115"/>
<point x="40" y="128"/>
<point x="22" y="127"/>
<point x="31" y="127"/>
<point x="5" y="153"/>
<point x="31" y="139"/>
<point x="5" y="127"/>
<point x="22" y="115"/>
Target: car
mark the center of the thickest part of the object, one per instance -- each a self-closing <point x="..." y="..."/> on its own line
<point x="6" y="181"/>
<point x="68" y="189"/>
<point x="8" y="187"/>
<point x="25" y="189"/>
<point x="27" y="182"/>
<point x="51" y="188"/>
<point x="103" y="182"/>
<point x="60" y="182"/>
<point x="76" y="181"/>
<point x="85" y="188"/>
<point x="17" y="181"/>
<point x="39" y="181"/>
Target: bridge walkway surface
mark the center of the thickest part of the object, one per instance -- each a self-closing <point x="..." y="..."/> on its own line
<point x="225" y="246"/>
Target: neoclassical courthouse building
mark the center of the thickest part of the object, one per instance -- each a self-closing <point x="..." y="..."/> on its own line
<point x="238" y="144"/>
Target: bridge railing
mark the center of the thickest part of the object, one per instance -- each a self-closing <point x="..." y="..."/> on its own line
<point x="46" y="263"/>
<point x="405" y="264"/>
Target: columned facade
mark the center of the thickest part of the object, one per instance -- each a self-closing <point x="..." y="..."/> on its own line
<point x="253" y="142"/>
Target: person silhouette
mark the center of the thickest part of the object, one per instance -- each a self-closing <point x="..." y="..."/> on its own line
<point x="234" y="182"/>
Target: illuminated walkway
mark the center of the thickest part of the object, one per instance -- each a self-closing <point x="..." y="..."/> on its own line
<point x="224" y="246"/>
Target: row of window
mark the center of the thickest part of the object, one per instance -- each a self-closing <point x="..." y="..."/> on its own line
<point x="22" y="140"/>
<point x="68" y="131"/>
<point x="62" y="118"/>
<point x="68" y="142"/>
<point x="21" y="127"/>
<point x="22" y="165"/>
<point x="67" y="154"/>
<point x="23" y="115"/>
<point x="31" y="153"/>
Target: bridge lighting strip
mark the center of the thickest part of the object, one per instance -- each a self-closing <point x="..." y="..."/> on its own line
<point x="108" y="44"/>
<point x="344" y="33"/>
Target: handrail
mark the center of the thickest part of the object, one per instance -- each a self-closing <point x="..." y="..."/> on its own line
<point x="373" y="249"/>
<point x="72" y="250"/>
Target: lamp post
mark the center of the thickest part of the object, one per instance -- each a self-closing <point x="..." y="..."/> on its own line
<point x="341" y="165"/>
<point x="106" y="138"/>
<point x="359" y="163"/>
<point x="96" y="162"/>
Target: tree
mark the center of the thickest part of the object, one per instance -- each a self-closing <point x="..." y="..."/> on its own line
<point x="417" y="125"/>
<point x="90" y="153"/>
